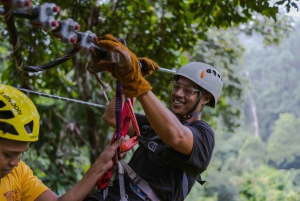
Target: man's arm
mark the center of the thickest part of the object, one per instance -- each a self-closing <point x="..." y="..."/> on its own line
<point x="128" y="72"/>
<point x="163" y="121"/>
<point x="166" y="124"/>
<point x="88" y="182"/>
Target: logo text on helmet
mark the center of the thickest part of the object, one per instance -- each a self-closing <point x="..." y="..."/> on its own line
<point x="12" y="103"/>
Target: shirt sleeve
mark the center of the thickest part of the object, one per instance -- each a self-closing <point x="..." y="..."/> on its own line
<point x="31" y="186"/>
<point x="204" y="143"/>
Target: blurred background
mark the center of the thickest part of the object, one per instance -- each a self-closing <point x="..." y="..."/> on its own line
<point x="253" y="44"/>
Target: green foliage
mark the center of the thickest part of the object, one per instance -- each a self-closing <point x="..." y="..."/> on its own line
<point x="4" y="55"/>
<point x="239" y="171"/>
<point x="267" y="184"/>
<point x="253" y="151"/>
<point x="227" y="150"/>
<point x="273" y="75"/>
<point x="272" y="31"/>
<point x="242" y="159"/>
<point x="169" y="32"/>
<point x="283" y="147"/>
<point x="220" y="184"/>
<point x="223" y="50"/>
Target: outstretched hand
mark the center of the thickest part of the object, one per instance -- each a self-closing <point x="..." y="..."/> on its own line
<point x="119" y="59"/>
<point x="106" y="157"/>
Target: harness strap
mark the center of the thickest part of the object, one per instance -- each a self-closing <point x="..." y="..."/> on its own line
<point x="132" y="116"/>
<point x="140" y="182"/>
<point x="122" y="123"/>
<point x="105" y="193"/>
<point x="121" y="171"/>
<point x="168" y="155"/>
<point x="129" y="144"/>
<point x="118" y="110"/>
<point x="137" y="191"/>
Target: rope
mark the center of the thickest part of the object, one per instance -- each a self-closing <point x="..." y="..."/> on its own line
<point x="60" y="98"/>
<point x="27" y="91"/>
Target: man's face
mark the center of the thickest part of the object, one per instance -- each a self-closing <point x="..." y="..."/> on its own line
<point x="10" y="152"/>
<point x="181" y="103"/>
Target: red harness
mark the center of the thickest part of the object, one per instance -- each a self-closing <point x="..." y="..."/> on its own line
<point x="122" y="129"/>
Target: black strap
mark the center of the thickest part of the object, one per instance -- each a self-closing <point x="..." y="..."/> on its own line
<point x="98" y="196"/>
<point x="94" y="197"/>
<point x="168" y="154"/>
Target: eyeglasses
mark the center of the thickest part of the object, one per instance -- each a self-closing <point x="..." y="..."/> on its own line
<point x="187" y="90"/>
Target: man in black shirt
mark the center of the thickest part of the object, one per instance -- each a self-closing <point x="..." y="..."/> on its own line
<point x="176" y="146"/>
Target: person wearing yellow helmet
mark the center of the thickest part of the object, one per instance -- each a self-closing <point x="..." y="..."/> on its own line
<point x="19" y="126"/>
<point x="19" y="116"/>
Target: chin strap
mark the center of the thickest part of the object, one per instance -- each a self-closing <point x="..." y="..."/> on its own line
<point x="190" y="113"/>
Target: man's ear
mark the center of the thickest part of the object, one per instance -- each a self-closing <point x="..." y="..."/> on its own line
<point x="207" y="98"/>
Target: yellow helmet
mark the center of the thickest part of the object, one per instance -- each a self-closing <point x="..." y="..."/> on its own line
<point x="19" y="118"/>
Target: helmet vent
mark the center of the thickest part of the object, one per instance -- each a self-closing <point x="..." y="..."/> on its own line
<point x="6" y="114"/>
<point x="2" y="104"/>
<point x="29" y="127"/>
<point x="8" y="128"/>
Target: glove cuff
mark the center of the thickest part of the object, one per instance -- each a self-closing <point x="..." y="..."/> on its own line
<point x="136" y="88"/>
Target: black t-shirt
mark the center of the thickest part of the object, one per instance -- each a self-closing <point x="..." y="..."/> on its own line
<point x="164" y="178"/>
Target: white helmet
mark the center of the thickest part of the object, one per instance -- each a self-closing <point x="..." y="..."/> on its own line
<point x="205" y="76"/>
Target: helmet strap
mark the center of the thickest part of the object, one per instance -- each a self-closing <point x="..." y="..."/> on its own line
<point x="190" y="113"/>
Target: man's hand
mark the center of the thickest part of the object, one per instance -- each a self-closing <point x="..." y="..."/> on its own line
<point x="148" y="66"/>
<point x="123" y="65"/>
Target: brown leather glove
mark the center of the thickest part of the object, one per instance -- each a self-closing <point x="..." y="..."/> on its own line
<point x="123" y="65"/>
<point x="148" y="66"/>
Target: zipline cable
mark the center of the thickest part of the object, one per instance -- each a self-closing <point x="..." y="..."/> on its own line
<point x="66" y="30"/>
<point x="27" y="91"/>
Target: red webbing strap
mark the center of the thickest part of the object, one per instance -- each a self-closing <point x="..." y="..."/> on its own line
<point x="125" y="122"/>
<point x="132" y="116"/>
<point x="129" y="144"/>
<point x="104" y="180"/>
